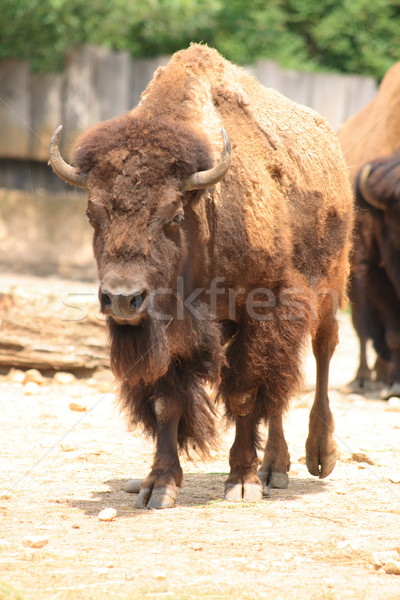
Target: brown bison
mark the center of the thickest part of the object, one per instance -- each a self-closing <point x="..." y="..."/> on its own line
<point x="376" y="268"/>
<point x="216" y="264"/>
<point x="372" y="134"/>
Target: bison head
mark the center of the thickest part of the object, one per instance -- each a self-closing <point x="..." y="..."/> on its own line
<point x="378" y="186"/>
<point x="140" y="176"/>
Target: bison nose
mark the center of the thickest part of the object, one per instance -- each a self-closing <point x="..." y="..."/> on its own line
<point x="123" y="305"/>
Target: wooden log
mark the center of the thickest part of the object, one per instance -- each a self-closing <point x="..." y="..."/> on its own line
<point x="51" y="325"/>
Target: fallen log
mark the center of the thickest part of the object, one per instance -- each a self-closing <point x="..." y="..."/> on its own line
<point x="39" y="329"/>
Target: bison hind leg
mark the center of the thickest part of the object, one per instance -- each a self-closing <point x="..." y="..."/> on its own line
<point x="321" y="450"/>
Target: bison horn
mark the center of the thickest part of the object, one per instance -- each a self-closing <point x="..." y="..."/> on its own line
<point x="205" y="179"/>
<point x="366" y="190"/>
<point x="69" y="174"/>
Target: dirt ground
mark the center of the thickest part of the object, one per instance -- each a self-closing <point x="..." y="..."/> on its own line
<point x="319" y="539"/>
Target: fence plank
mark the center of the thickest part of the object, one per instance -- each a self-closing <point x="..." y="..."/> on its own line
<point x="100" y="83"/>
<point x="361" y="90"/>
<point x="80" y="110"/>
<point x="111" y="82"/>
<point x="142" y="72"/>
<point x="46" y="112"/>
<point x="14" y="108"/>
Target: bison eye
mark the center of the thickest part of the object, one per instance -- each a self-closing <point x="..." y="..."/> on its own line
<point x="178" y="219"/>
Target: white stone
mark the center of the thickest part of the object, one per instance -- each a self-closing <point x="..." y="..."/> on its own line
<point x="35" y="541"/>
<point x="392" y="567"/>
<point x="76" y="406"/>
<point x="107" y="514"/>
<point x="64" y="378"/>
<point x="382" y="558"/>
<point x="34" y="376"/>
<point x="31" y="388"/>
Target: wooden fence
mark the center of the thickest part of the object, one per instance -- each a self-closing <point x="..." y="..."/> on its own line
<point x="99" y="83"/>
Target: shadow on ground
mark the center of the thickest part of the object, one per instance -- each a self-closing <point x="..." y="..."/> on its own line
<point x="199" y="490"/>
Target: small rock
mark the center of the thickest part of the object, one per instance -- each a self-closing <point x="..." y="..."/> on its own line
<point x="35" y="541"/>
<point x="31" y="388"/>
<point x="392" y="567"/>
<point x="266" y="523"/>
<point x="67" y="447"/>
<point x="380" y="559"/>
<point x="361" y="457"/>
<point x="64" y="378"/>
<point x="350" y="544"/>
<point x="161" y="576"/>
<point x="107" y="514"/>
<point x="101" y="570"/>
<point x="77" y="407"/>
<point x="16" y="376"/>
<point x="395" y="478"/>
<point x="34" y="376"/>
<point x="393" y="405"/>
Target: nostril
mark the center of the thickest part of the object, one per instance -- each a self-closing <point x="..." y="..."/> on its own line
<point x="105" y="299"/>
<point x="137" y="300"/>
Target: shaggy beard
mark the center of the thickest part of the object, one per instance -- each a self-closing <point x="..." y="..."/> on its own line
<point x="139" y="353"/>
<point x="179" y="357"/>
<point x="144" y="353"/>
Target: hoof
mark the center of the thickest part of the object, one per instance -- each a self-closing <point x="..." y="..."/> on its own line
<point x="279" y="480"/>
<point x="156" y="498"/>
<point x="358" y="386"/>
<point x="132" y="486"/>
<point x="390" y="391"/>
<point x="273" y="479"/>
<point x="321" y="467"/>
<point x="235" y="492"/>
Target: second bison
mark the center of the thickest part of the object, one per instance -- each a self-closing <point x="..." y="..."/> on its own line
<point x="216" y="261"/>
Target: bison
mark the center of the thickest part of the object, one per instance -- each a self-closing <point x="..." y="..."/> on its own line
<point x="373" y="134"/>
<point x="376" y="269"/>
<point x="222" y="215"/>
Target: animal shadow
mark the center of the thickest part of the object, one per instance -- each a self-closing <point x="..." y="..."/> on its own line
<point x="199" y="490"/>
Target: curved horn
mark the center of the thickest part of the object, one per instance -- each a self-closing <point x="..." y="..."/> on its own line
<point x="69" y="174"/>
<point x="205" y="179"/>
<point x="366" y="191"/>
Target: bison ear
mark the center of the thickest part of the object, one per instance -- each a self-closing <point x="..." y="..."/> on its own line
<point x="366" y="191"/>
<point x="205" y="179"/>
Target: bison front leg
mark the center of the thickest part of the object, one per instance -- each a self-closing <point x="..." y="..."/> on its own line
<point x="243" y="483"/>
<point x="159" y="489"/>
<point x="276" y="463"/>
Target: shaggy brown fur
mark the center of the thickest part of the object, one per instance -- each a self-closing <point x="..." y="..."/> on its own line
<point x="376" y="283"/>
<point x="369" y="135"/>
<point x="373" y="132"/>
<point x="278" y="223"/>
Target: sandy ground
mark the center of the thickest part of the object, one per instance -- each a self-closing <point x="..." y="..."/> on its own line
<point x="318" y="539"/>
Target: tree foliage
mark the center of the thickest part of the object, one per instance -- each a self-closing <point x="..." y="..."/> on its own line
<point x="354" y="36"/>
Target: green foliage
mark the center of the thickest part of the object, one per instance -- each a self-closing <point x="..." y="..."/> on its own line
<point x="354" y="36"/>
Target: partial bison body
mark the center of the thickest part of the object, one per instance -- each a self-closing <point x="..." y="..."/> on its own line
<point x="222" y="215"/>
<point x="376" y="273"/>
<point x="373" y="134"/>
